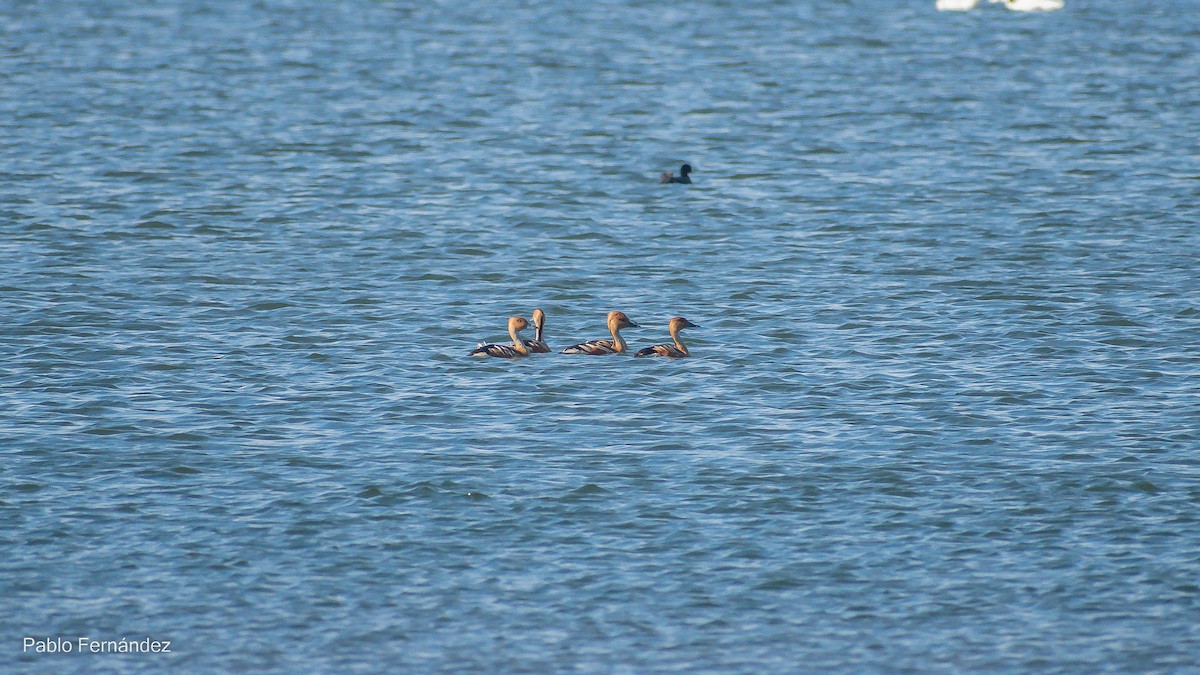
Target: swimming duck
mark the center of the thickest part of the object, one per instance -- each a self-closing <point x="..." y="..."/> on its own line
<point x="1033" y="5"/>
<point x="516" y="324"/>
<point x="616" y="321"/>
<point x="684" y="170"/>
<point x="537" y="345"/>
<point x="677" y="350"/>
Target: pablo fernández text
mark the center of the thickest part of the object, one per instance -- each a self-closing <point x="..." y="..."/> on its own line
<point x="86" y="645"/>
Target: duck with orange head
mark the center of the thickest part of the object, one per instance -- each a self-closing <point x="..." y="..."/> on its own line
<point x="678" y="349"/>
<point x="617" y="345"/>
<point x="538" y="344"/>
<point x="517" y="349"/>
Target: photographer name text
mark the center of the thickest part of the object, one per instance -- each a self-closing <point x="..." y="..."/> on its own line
<point x="86" y="645"/>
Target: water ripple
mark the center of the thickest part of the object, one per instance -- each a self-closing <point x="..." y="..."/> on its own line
<point x="941" y="414"/>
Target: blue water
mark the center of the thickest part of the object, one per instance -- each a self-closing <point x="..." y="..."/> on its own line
<point x="942" y="415"/>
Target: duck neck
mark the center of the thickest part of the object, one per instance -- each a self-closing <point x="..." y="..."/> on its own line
<point x="537" y="332"/>
<point x="518" y="343"/>
<point x="618" y="341"/>
<point x="678" y="343"/>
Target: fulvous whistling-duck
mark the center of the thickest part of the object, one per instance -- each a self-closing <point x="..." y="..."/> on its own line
<point x="616" y="321"/>
<point x="537" y="345"/>
<point x="677" y="350"/>
<point x="684" y="170"/>
<point x="516" y="324"/>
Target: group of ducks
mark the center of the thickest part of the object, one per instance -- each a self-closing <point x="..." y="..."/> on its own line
<point x="616" y="321"/>
<point x="1015" y="5"/>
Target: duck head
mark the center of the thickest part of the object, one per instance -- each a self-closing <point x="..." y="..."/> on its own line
<point x="679" y="323"/>
<point x="618" y="320"/>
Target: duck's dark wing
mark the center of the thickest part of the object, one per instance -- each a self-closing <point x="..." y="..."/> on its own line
<point x="538" y="346"/>
<point x="661" y="350"/>
<point x="497" y="350"/>
<point x="592" y="347"/>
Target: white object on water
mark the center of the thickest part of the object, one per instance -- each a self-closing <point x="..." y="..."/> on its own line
<point x="1015" y="5"/>
<point x="1034" y="5"/>
<point x="956" y="5"/>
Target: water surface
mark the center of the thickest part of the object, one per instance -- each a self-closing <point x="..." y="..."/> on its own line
<point x="942" y="414"/>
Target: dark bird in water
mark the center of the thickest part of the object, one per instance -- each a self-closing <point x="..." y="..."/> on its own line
<point x="684" y="170"/>
<point x="537" y="345"/>
<point x="616" y="321"/>
<point x="516" y="324"/>
<point x="677" y="350"/>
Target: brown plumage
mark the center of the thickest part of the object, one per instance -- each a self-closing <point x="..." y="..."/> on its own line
<point x="616" y="321"/>
<point x="516" y="324"/>
<point x="677" y="350"/>
<point x="537" y="345"/>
